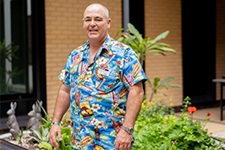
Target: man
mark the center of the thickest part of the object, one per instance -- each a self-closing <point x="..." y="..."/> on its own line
<point x="102" y="84"/>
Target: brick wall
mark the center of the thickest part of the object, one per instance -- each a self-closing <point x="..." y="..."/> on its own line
<point x="64" y="32"/>
<point x="160" y="16"/>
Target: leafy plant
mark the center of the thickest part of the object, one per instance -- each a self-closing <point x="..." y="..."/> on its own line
<point x="158" y="128"/>
<point x="157" y="85"/>
<point x="42" y="135"/>
<point x="20" y="136"/>
<point x="186" y="103"/>
<point x="7" y="52"/>
<point x="64" y="144"/>
<point x="45" y="145"/>
<point x="66" y="138"/>
<point x="46" y="120"/>
<point x="142" y="46"/>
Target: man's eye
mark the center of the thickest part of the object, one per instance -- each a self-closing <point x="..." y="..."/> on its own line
<point x="87" y="20"/>
<point x="98" y="19"/>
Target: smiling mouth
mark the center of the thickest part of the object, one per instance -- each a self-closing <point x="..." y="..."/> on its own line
<point x="93" y="30"/>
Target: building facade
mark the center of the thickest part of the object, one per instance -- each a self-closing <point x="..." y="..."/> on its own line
<point x="48" y="30"/>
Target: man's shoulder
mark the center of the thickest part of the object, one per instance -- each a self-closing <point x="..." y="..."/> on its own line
<point x="117" y="45"/>
<point x="121" y="49"/>
<point x="80" y="48"/>
<point x="116" y="42"/>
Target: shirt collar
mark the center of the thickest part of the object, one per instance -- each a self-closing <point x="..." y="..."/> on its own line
<point x="105" y="45"/>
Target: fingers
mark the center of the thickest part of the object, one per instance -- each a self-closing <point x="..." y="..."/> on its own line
<point x="123" y="141"/>
<point x="53" y="142"/>
<point x="60" y="135"/>
<point x="54" y="132"/>
<point x="122" y="147"/>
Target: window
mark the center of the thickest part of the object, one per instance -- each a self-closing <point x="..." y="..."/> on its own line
<point x="22" y="54"/>
<point x="16" y="48"/>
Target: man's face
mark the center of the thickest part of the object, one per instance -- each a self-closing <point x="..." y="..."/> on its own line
<point x="96" y="23"/>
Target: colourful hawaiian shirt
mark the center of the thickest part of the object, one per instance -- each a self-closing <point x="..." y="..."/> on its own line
<point x="99" y="92"/>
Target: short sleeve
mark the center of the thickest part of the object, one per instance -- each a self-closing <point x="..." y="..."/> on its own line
<point x="65" y="75"/>
<point x="132" y="70"/>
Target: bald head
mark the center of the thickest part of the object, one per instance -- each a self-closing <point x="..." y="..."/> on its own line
<point x="96" y="23"/>
<point x="97" y="6"/>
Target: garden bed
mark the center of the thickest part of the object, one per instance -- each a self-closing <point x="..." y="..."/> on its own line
<point x="8" y="143"/>
<point x="5" y="145"/>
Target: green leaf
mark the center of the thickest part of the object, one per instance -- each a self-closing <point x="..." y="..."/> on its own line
<point x="156" y="81"/>
<point x="45" y="145"/>
<point x="161" y="36"/>
<point x="165" y="81"/>
<point x="134" y="31"/>
<point x="66" y="130"/>
<point x="38" y="134"/>
<point x="118" y="33"/>
<point x="66" y="138"/>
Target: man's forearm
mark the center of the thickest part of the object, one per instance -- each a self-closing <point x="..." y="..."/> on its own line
<point x="134" y="102"/>
<point x="62" y="103"/>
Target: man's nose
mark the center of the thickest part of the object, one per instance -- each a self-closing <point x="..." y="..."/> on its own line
<point x="92" y="22"/>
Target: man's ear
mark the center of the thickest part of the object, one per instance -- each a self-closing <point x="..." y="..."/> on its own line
<point x="109" y="23"/>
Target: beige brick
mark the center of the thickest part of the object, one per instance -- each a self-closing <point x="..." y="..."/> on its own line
<point x="160" y="16"/>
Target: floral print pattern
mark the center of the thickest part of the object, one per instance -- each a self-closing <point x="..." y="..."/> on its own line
<point x="99" y="92"/>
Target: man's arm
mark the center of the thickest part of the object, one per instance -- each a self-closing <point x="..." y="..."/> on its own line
<point x="134" y="102"/>
<point x="136" y="93"/>
<point x="61" y="106"/>
<point x="62" y="103"/>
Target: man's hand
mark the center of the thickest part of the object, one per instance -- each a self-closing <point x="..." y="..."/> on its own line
<point x="123" y="140"/>
<point x="54" y="132"/>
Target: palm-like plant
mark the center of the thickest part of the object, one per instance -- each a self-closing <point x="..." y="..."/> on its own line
<point x="142" y="46"/>
<point x="157" y="85"/>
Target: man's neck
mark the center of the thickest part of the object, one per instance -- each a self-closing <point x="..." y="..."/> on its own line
<point x="96" y="44"/>
<point x="94" y="48"/>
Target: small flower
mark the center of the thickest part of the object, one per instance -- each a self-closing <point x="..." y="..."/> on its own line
<point x="143" y="106"/>
<point x="100" y="124"/>
<point x="208" y="114"/>
<point x="192" y="109"/>
<point x="95" y="107"/>
<point x="171" y="102"/>
<point x="206" y="119"/>
<point x="94" y="121"/>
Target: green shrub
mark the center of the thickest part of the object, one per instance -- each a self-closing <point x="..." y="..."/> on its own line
<point x="158" y="128"/>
